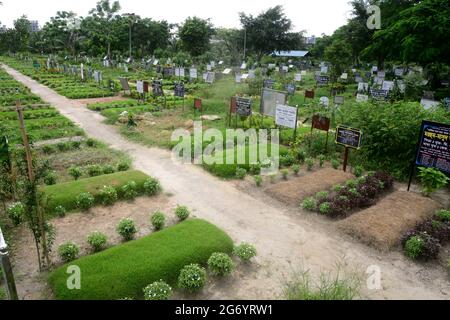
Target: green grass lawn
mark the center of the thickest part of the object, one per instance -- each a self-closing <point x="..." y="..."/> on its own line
<point x="65" y="194"/>
<point x="124" y="270"/>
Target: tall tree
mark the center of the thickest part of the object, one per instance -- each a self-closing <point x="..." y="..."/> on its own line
<point x="195" y="35"/>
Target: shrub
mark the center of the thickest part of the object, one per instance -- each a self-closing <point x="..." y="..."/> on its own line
<point x="325" y="208"/>
<point x="63" y="146"/>
<point x="321" y="160"/>
<point x="152" y="186"/>
<point x="16" y="212"/>
<point x="108" y="169"/>
<point x="75" y="172"/>
<point x="309" y="163"/>
<point x="60" y="211"/>
<point x="123" y="166"/>
<point x="335" y="164"/>
<point x="2" y="294"/>
<point x="322" y="195"/>
<point x="94" y="170"/>
<point x="97" y="241"/>
<point x="337" y="187"/>
<point x="182" y="213"/>
<point x="255" y="169"/>
<point x="272" y="178"/>
<point x="358" y="171"/>
<point x="85" y="201"/>
<point x="76" y="144"/>
<point x="50" y="178"/>
<point x="158" y="220"/>
<point x="68" y="252"/>
<point x="258" y="180"/>
<point x="192" y="278"/>
<point x="158" y="290"/>
<point x="48" y="149"/>
<point x="414" y="247"/>
<point x="296" y="169"/>
<point x="245" y="252"/>
<point x="422" y="246"/>
<point x="351" y="184"/>
<point x="309" y="204"/>
<point x="432" y="180"/>
<point x="126" y="229"/>
<point x="90" y="142"/>
<point x="285" y="174"/>
<point x="108" y="195"/>
<point x="443" y="215"/>
<point x="129" y="191"/>
<point x="287" y="160"/>
<point x="241" y="173"/>
<point x="220" y="264"/>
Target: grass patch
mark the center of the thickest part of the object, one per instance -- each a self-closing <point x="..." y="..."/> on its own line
<point x="124" y="270"/>
<point x="65" y="194"/>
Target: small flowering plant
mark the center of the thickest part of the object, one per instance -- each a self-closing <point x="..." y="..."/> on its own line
<point x="158" y="290"/>
<point x="192" y="278"/>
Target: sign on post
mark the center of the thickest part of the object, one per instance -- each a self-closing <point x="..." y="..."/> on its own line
<point x="286" y="116"/>
<point x="291" y="89"/>
<point x="243" y="106"/>
<point x="193" y="74"/>
<point x="157" y="88"/>
<point x="269" y="101"/>
<point x="179" y="90"/>
<point x="125" y="85"/>
<point x="140" y="86"/>
<point x="350" y="138"/>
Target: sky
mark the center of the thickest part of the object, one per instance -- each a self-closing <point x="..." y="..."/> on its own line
<point x="314" y="16"/>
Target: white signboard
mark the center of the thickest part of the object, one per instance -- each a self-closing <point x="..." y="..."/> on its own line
<point x="226" y="71"/>
<point x="82" y="71"/>
<point x="324" y="69"/>
<point x="140" y="86"/>
<point x="245" y="76"/>
<point x="244" y="66"/>
<point x="286" y="116"/>
<point x="298" y="77"/>
<point x="374" y="69"/>
<point x="208" y="67"/>
<point x="303" y="73"/>
<point x="363" y="86"/>
<point x="324" y="101"/>
<point x="155" y="63"/>
<point x="381" y="74"/>
<point x="285" y="69"/>
<point x="272" y="65"/>
<point x="179" y="72"/>
<point x="388" y="85"/>
<point x="428" y="104"/>
<point x="213" y="64"/>
<point x="344" y="76"/>
<point x="220" y="63"/>
<point x="362" y="97"/>
<point x="193" y="73"/>
<point x="238" y="78"/>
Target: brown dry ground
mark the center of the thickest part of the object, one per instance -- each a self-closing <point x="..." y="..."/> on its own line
<point x="99" y="100"/>
<point x="294" y="191"/>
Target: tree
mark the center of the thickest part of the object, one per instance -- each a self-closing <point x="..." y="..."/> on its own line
<point x="270" y="31"/>
<point x="62" y="32"/>
<point x="229" y="44"/>
<point x="195" y="35"/>
<point x="22" y="27"/>
<point x="339" y="54"/>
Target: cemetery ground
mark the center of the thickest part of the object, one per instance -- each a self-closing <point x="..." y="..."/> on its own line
<point x="289" y="239"/>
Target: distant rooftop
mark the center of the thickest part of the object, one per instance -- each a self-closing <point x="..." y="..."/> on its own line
<point x="291" y="54"/>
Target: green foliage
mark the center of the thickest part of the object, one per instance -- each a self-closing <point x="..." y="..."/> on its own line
<point x="296" y="169"/>
<point x="91" y="142"/>
<point x="152" y="186"/>
<point x="94" y="170"/>
<point x="108" y="195"/>
<point x="322" y="195"/>
<point x="68" y="252"/>
<point x="85" y="201"/>
<point x="50" y="178"/>
<point x="60" y="211"/>
<point x="321" y="160"/>
<point x="309" y="204"/>
<point x="285" y="174"/>
<point x="220" y="264"/>
<point x="443" y="215"/>
<point x="258" y="180"/>
<point x="358" y="171"/>
<point x="123" y="166"/>
<point x="335" y="164"/>
<point x="126" y="229"/>
<point x="192" y="278"/>
<point x="108" y="169"/>
<point x="16" y="212"/>
<point x="182" y="213"/>
<point x="241" y="173"/>
<point x="245" y="252"/>
<point x="75" y="172"/>
<point x="309" y="163"/>
<point x="325" y="208"/>
<point x="337" y="188"/>
<point x="195" y="34"/>
<point x="158" y="290"/>
<point x="97" y="241"/>
<point x="129" y="190"/>
<point x="414" y="247"/>
<point x="158" y="220"/>
<point x="432" y="180"/>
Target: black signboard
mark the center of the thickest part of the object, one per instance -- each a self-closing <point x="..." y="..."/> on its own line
<point x="379" y="94"/>
<point x="321" y="123"/>
<point x="169" y="71"/>
<point x="323" y="80"/>
<point x="157" y="88"/>
<point x="179" y="90"/>
<point x="348" y="137"/>
<point x="243" y="106"/>
<point x="434" y="146"/>
<point x="269" y="83"/>
<point x="291" y="89"/>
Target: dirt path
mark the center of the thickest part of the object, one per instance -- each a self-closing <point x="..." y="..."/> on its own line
<point x="285" y="238"/>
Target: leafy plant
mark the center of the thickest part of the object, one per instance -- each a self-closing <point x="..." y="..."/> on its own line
<point x="443" y="215"/>
<point x="68" y="252"/>
<point x="91" y="142"/>
<point x="16" y="213"/>
<point x="60" y="211"/>
<point x="245" y="252"/>
<point x="309" y="163"/>
<point x="48" y="149"/>
<point x="335" y="164"/>
<point x="325" y="208"/>
<point x="258" y="180"/>
<point x="241" y="173"/>
<point x="322" y="195"/>
<point x="158" y="220"/>
<point x="108" y="195"/>
<point x="337" y="188"/>
<point x="97" y="241"/>
<point x="158" y="290"/>
<point x="85" y="201"/>
<point x="422" y="246"/>
<point x="94" y="170"/>
<point x="414" y="247"/>
<point x="358" y="171"/>
<point x="309" y="204"/>
<point x="285" y="174"/>
<point x="152" y="186"/>
<point x="432" y="180"/>
<point x="108" y="169"/>
<point x="192" y="278"/>
<point x="127" y="229"/>
<point x="296" y="169"/>
<point x="220" y="264"/>
<point x="182" y="213"/>
<point x="123" y="166"/>
<point x="75" y="172"/>
<point x="321" y="160"/>
<point x="129" y="190"/>
<point x="50" y="178"/>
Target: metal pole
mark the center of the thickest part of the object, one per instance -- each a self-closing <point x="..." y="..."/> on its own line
<point x="245" y="43"/>
<point x="7" y="269"/>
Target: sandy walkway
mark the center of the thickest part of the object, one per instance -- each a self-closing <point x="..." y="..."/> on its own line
<point x="285" y="238"/>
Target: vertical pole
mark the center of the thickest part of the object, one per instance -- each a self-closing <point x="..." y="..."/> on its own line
<point x="8" y="275"/>
<point x="245" y="43"/>
<point x="346" y="158"/>
<point x="326" y="143"/>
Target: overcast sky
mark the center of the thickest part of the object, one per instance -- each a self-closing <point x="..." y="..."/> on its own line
<point x="314" y="16"/>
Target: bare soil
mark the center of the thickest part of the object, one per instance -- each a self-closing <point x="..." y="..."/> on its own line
<point x="295" y="190"/>
<point x="104" y="99"/>
<point x="383" y="224"/>
<point x="285" y="237"/>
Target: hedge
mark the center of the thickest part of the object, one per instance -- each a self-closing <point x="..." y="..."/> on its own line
<point x="123" y="271"/>
<point x="65" y="194"/>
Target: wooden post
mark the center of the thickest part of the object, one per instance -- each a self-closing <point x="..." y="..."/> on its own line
<point x="8" y="275"/>
<point x="32" y="178"/>
<point x="346" y="158"/>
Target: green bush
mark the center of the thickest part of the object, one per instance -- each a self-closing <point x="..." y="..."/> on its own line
<point x="152" y="186"/>
<point x="335" y="164"/>
<point x="158" y="220"/>
<point x="432" y="180"/>
<point x="85" y="201"/>
<point x="129" y="190"/>
<point x="182" y="213"/>
<point x="414" y="247"/>
<point x="220" y="264"/>
<point x="48" y="149"/>
<point x="50" y="178"/>
<point x="108" y="195"/>
<point x="321" y="160"/>
<point x="285" y="174"/>
<point x="296" y="169"/>
<point x="309" y="204"/>
<point x="91" y="142"/>
<point x="3" y="295"/>
<point x="142" y="262"/>
<point x="443" y="215"/>
<point x="94" y="170"/>
<point x="108" y="169"/>
<point x="241" y="173"/>
<point x="325" y="208"/>
<point x="126" y="229"/>
<point x="322" y="195"/>
<point x="123" y="166"/>
<point x="258" y="180"/>
<point x="16" y="212"/>
<point x="245" y="252"/>
<point x="337" y="188"/>
<point x="358" y="171"/>
<point x="76" y="144"/>
<point x="75" y="172"/>
<point x="192" y="278"/>
<point x="60" y="211"/>
<point x="158" y="290"/>
<point x="97" y="241"/>
<point x="309" y="163"/>
<point x="68" y="252"/>
<point x="63" y="146"/>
